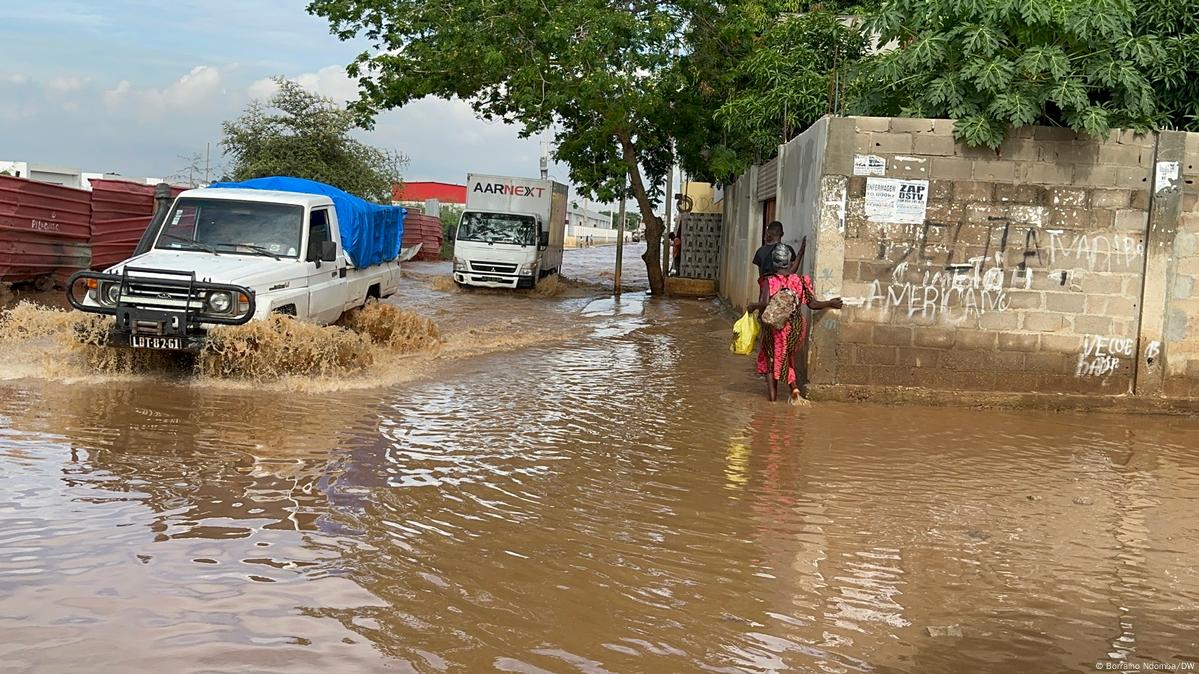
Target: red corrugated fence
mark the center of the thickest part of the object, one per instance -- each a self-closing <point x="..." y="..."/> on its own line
<point x="121" y="211"/>
<point x="44" y="230"/>
<point x="425" y="230"/>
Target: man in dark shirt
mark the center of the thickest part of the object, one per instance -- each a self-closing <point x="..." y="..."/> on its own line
<point x="763" y="258"/>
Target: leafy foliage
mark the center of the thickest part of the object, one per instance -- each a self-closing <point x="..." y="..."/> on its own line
<point x="450" y="215"/>
<point x="761" y="71"/>
<point x="299" y="133"/>
<point x="997" y="64"/>
<point x="1175" y="77"/>
<point x="786" y="82"/>
<point x="593" y="73"/>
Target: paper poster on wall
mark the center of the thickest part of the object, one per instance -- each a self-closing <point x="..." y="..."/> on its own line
<point x="1166" y="175"/>
<point x="869" y="165"/>
<point x="899" y="201"/>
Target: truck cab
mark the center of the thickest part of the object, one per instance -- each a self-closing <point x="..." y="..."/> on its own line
<point x="510" y="235"/>
<point x="499" y="249"/>
<point x="228" y="256"/>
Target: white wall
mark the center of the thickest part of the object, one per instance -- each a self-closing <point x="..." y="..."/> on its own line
<point x="597" y="234"/>
<point x="58" y="175"/>
<point x="587" y="218"/>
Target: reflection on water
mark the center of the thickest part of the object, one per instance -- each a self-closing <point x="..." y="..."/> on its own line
<point x="622" y="500"/>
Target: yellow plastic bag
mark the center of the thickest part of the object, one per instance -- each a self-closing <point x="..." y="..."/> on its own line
<point x="745" y="334"/>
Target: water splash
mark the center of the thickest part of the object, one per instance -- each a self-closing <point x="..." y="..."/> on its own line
<point x="378" y="345"/>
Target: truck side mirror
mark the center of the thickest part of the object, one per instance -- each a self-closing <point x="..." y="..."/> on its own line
<point x="544" y="240"/>
<point x="328" y="251"/>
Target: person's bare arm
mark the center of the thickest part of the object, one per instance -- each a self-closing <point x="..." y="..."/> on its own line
<point x="763" y="300"/>
<point x="816" y="305"/>
<point x="798" y="261"/>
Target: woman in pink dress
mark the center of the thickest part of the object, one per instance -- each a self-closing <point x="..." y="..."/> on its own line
<point x="779" y="345"/>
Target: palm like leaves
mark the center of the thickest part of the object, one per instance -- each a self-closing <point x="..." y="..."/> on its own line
<point x="998" y="64"/>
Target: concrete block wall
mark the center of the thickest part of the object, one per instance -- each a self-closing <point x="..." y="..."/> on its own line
<point x="1025" y="274"/>
<point x="1178" y="351"/>
<point x="1057" y="264"/>
<point x="740" y="234"/>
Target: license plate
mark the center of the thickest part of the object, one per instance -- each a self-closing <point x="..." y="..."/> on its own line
<point x="149" y="342"/>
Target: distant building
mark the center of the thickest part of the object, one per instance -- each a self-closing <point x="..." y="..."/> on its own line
<point x="46" y="173"/>
<point x="416" y="193"/>
<point x="64" y="175"/>
<point x="703" y="197"/>
<point x="582" y="217"/>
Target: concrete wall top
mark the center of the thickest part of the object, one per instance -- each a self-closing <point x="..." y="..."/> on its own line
<point x="925" y="148"/>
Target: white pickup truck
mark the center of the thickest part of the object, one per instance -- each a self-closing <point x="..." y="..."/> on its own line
<point x="228" y="256"/>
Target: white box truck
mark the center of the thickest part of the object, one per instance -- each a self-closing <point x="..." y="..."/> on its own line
<point x="511" y="232"/>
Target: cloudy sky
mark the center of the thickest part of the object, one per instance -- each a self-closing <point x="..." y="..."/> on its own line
<point x="127" y="86"/>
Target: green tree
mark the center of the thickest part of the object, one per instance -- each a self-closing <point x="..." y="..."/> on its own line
<point x="450" y="215"/>
<point x="1175" y="77"/>
<point x="298" y="133"/>
<point x="785" y="82"/>
<point x="592" y="72"/>
<point x="998" y="64"/>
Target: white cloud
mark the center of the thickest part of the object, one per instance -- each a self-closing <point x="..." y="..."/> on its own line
<point x="139" y="127"/>
<point x="198" y="86"/>
<point x="262" y="89"/>
<point x="330" y="81"/>
<point x="67" y="84"/>
<point x="117" y="94"/>
<point x="443" y="138"/>
<point x="14" y="78"/>
<point x="201" y="88"/>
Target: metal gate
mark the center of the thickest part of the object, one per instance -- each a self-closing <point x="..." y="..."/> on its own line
<point x="701" y="245"/>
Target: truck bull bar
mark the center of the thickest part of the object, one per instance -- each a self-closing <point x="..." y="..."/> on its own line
<point x="160" y="302"/>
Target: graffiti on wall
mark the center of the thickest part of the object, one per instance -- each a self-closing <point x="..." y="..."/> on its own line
<point x="970" y="270"/>
<point x="1101" y="356"/>
<point x="954" y="294"/>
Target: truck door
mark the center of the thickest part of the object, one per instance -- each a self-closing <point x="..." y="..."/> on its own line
<point x="326" y="285"/>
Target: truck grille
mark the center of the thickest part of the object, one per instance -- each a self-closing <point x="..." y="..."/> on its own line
<point x="146" y="292"/>
<point x="493" y="267"/>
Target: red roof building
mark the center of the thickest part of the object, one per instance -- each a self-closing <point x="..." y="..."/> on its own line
<point x="420" y="192"/>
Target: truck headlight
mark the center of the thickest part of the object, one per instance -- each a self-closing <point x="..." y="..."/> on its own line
<point x="110" y="293"/>
<point x="459" y="264"/>
<point x="528" y="269"/>
<point x="219" y="302"/>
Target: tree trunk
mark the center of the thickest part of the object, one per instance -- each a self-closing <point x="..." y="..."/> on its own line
<point x="653" y="224"/>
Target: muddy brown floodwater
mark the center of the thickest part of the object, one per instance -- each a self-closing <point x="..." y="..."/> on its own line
<point x="579" y="485"/>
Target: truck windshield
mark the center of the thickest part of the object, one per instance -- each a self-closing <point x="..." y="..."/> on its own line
<point x="498" y="228"/>
<point x="243" y="227"/>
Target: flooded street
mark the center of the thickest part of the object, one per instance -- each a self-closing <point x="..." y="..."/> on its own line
<point x="580" y="485"/>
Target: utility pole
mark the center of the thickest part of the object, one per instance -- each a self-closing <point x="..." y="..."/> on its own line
<point x="620" y="236"/>
<point x="666" y="222"/>
<point x="207" y="158"/>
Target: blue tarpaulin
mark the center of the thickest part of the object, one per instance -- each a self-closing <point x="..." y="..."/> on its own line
<point x="370" y="233"/>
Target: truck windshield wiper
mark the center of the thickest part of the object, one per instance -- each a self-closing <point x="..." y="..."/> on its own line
<point x="195" y="244"/>
<point x="257" y="249"/>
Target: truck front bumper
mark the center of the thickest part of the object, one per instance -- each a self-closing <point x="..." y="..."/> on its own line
<point x="159" y="309"/>
<point x="485" y="280"/>
<point x="191" y="343"/>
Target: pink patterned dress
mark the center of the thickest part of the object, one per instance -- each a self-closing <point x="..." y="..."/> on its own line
<point x="779" y="346"/>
